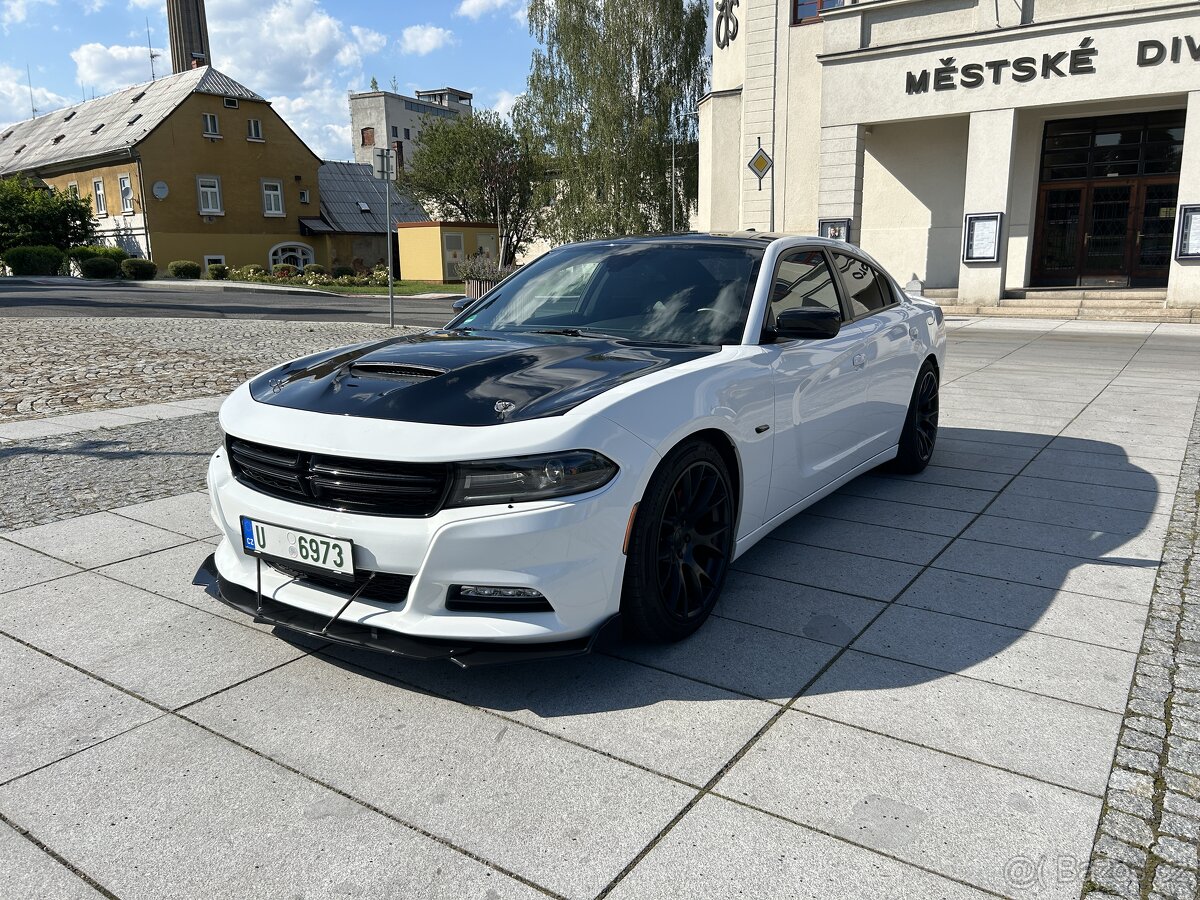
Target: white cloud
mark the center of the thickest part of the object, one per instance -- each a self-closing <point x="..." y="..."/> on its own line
<point x="109" y="68"/>
<point x="14" y="96"/>
<point x="14" y="12"/>
<point x="505" y="100"/>
<point x="424" y="39"/>
<point x="368" y="41"/>
<point x="147" y="4"/>
<point x="93" y="6"/>
<point x="473" y="9"/>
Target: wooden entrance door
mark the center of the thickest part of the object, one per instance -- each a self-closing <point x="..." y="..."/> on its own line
<point x="1105" y="233"/>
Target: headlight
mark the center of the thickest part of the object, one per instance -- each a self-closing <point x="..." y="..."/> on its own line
<point x="523" y="478"/>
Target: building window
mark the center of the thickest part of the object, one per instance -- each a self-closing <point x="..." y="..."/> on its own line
<point x="272" y="192"/>
<point x="407" y="136"/>
<point x="298" y="255"/>
<point x="98" y="198"/>
<point x="126" y="188"/>
<point x="231" y="103"/>
<point x="368" y="137"/>
<point x="73" y="188"/>
<point x="213" y="260"/>
<point x="254" y="130"/>
<point x="395" y="131"/>
<point x="208" y="190"/>
<point x="304" y="196"/>
<point x="211" y="126"/>
<point x="810" y="10"/>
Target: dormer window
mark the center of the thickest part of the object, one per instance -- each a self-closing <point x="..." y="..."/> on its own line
<point x="69" y="116"/>
<point x="363" y="207"/>
<point x="6" y="135"/>
<point x="57" y="138"/>
<point x="134" y="119"/>
<point x="138" y="97"/>
<point x="96" y="130"/>
<point x="19" y="149"/>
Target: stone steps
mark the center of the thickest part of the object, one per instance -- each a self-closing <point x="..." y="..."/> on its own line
<point x="1183" y="314"/>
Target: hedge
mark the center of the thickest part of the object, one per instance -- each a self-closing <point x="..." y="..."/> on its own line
<point x="343" y="271"/>
<point x="315" y="269"/>
<point x="91" y="251"/>
<point x="184" y="268"/>
<point x="218" y="272"/>
<point x="34" y="260"/>
<point x="283" y="270"/>
<point x="139" y="269"/>
<point x="99" y="267"/>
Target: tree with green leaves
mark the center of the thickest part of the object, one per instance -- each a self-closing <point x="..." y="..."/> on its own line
<point x="32" y="215"/>
<point x="477" y="169"/>
<point x="609" y="87"/>
<point x="374" y="83"/>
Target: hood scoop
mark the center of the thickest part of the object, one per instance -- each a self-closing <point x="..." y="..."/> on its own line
<point x="395" y="370"/>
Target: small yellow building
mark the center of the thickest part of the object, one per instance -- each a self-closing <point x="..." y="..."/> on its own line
<point x="431" y="251"/>
<point x="191" y="166"/>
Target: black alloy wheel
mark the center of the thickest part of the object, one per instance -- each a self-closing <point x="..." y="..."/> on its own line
<point x="681" y="546"/>
<point x="919" y="436"/>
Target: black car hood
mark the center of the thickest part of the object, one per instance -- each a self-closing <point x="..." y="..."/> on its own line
<point x="464" y="378"/>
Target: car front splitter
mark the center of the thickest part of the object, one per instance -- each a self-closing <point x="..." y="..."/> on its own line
<point x="467" y="654"/>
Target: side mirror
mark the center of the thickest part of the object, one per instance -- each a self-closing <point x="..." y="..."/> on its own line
<point x="462" y="303"/>
<point x="808" y="323"/>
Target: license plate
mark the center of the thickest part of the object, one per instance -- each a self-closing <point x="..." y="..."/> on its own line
<point x="292" y="545"/>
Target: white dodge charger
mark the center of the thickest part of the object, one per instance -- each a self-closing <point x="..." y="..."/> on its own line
<point x="600" y="435"/>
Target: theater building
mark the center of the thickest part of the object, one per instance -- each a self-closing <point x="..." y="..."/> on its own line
<point x="987" y="149"/>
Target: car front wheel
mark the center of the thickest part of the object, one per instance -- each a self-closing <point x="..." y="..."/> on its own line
<point x="680" y="546"/>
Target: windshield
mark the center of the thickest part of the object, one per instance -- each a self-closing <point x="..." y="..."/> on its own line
<point x="661" y="292"/>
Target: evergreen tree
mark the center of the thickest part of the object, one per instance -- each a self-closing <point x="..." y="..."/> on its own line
<point x="374" y="83"/>
<point x="608" y="88"/>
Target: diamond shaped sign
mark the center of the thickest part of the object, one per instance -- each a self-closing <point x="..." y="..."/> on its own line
<point x="760" y="163"/>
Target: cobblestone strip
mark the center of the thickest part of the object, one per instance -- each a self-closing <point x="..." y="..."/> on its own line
<point x="50" y="366"/>
<point x="1146" y="845"/>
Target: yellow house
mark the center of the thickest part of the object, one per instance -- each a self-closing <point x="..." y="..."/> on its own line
<point x="431" y="251"/>
<point x="191" y="166"/>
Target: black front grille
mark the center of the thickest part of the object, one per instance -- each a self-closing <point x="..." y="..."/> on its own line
<point x="385" y="586"/>
<point x="367" y="486"/>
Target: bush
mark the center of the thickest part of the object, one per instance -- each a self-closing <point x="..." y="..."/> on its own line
<point x="283" y="270"/>
<point x="480" y="268"/>
<point x="139" y="269"/>
<point x="315" y="269"/>
<point x="184" y="268"/>
<point x="91" y="251"/>
<point x="343" y="271"/>
<point x="99" y="267"/>
<point x="34" y="260"/>
<point x="218" y="272"/>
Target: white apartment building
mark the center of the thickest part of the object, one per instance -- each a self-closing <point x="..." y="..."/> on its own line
<point x="982" y="146"/>
<point x="385" y="119"/>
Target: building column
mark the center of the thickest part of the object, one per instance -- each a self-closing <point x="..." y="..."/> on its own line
<point x="1183" y="284"/>
<point x="989" y="174"/>
<point x="840" y="175"/>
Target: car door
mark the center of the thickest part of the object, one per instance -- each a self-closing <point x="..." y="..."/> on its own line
<point x="891" y="358"/>
<point x="819" y="385"/>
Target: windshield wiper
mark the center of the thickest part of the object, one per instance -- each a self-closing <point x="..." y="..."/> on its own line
<point x="574" y="332"/>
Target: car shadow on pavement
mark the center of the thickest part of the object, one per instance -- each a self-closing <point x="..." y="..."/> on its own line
<point x="1063" y="545"/>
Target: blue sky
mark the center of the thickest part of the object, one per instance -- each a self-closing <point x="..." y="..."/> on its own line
<point x="302" y="55"/>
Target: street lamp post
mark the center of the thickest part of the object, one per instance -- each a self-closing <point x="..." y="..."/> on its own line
<point x="385" y="170"/>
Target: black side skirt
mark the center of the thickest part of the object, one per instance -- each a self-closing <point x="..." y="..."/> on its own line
<point x="466" y="654"/>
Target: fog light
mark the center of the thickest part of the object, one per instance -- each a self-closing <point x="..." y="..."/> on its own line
<point x="507" y="593"/>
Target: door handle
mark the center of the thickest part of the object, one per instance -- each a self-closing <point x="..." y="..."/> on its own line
<point x="859" y="360"/>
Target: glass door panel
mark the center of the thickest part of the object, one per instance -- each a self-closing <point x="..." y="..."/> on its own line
<point x="1155" y="227"/>
<point x="1106" y="243"/>
<point x="1057" y="260"/>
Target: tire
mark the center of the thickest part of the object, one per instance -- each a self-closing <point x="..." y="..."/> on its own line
<point x="919" y="435"/>
<point x="680" y="546"/>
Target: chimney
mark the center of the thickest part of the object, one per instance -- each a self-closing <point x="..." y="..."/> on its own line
<point x="189" y="34"/>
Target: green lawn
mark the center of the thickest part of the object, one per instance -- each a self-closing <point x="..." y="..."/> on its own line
<point x="402" y="289"/>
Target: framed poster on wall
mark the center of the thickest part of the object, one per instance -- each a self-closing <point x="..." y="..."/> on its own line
<point x="834" y="229"/>
<point x="981" y="237"/>
<point x="1187" y="243"/>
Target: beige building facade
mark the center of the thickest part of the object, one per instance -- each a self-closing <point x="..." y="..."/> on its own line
<point x="979" y="148"/>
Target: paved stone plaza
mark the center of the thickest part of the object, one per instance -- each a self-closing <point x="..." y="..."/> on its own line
<point x="917" y="689"/>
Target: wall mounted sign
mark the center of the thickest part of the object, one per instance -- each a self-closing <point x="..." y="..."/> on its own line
<point x="725" y="25"/>
<point x="1081" y="60"/>
<point x="834" y="229"/>
<point x="981" y="237"/>
<point x="1187" y="244"/>
<point x="760" y="163"/>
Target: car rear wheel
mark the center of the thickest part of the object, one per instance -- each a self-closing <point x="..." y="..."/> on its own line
<point x="680" y="546"/>
<point x="920" y="424"/>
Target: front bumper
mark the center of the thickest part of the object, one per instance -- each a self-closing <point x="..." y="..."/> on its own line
<point x="462" y="653"/>
<point x="569" y="551"/>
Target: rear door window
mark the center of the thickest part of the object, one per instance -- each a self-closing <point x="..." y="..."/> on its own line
<point x="866" y="288"/>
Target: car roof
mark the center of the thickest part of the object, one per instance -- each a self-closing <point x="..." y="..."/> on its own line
<point x="759" y="240"/>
